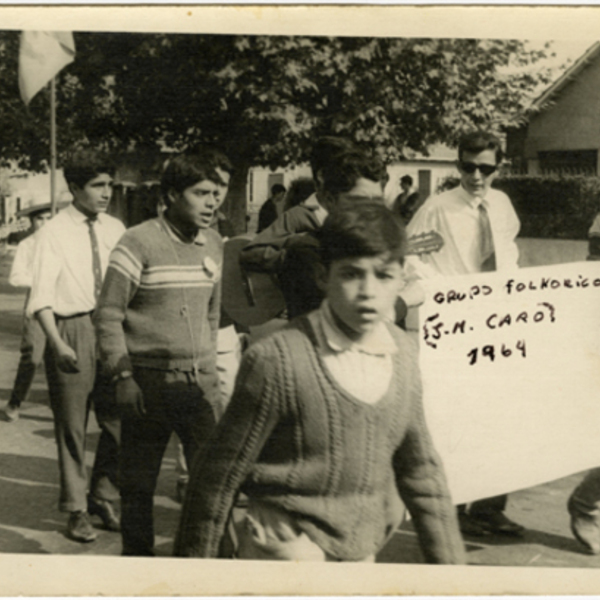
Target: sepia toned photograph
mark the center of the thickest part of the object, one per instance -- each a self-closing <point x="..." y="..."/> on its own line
<point x="299" y="300"/>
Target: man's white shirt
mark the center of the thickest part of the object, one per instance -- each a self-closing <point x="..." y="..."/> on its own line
<point x="455" y="215"/>
<point x="63" y="277"/>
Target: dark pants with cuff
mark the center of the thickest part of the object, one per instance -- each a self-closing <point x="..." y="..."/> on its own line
<point x="33" y="343"/>
<point x="184" y="402"/>
<point x="71" y="397"/>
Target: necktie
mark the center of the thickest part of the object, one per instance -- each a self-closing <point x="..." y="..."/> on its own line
<point x="488" y="253"/>
<point x="96" y="264"/>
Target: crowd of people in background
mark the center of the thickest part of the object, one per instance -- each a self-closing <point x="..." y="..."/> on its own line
<point x="316" y="429"/>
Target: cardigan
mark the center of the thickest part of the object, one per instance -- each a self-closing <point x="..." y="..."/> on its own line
<point x="159" y="306"/>
<point x="292" y="438"/>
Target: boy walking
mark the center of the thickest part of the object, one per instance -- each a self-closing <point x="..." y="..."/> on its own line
<point x="33" y="339"/>
<point x="70" y="259"/>
<point x="157" y="323"/>
<point x="479" y="227"/>
<point x="326" y="425"/>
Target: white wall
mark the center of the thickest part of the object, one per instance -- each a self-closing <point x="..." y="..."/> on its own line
<point x="259" y="183"/>
<point x="439" y="171"/>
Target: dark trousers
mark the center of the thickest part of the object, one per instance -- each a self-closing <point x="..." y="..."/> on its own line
<point x="33" y="343"/>
<point x="489" y="505"/>
<point x="175" y="401"/>
<point x="71" y="397"/>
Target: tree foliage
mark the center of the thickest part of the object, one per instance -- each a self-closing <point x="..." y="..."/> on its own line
<point x="264" y="99"/>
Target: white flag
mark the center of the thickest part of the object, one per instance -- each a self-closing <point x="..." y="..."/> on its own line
<point x="41" y="56"/>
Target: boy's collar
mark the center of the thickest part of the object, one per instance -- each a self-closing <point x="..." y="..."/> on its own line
<point x="379" y="343"/>
<point x="177" y="235"/>
<point x="312" y="203"/>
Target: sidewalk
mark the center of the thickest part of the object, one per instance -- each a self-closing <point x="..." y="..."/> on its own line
<point x="31" y="523"/>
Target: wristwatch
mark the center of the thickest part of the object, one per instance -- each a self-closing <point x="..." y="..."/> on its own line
<point x="122" y="375"/>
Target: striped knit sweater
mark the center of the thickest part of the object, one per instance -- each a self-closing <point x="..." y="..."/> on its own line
<point x="293" y="438"/>
<point x="159" y="306"/>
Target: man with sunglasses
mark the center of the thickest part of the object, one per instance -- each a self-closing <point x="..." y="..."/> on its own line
<point x="479" y="226"/>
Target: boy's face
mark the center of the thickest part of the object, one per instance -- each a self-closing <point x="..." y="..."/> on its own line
<point x="196" y="205"/>
<point x="362" y="292"/>
<point x="476" y="182"/>
<point x="39" y="220"/>
<point x="94" y="197"/>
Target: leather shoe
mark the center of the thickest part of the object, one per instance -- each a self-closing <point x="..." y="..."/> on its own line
<point x="585" y="528"/>
<point x="11" y="413"/>
<point x="469" y="526"/>
<point x="106" y="511"/>
<point x="499" y="523"/>
<point x="79" y="527"/>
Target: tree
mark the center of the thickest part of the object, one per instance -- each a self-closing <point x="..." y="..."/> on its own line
<point x="264" y="99"/>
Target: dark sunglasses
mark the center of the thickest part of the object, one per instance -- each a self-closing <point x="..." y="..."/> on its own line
<point x="470" y="168"/>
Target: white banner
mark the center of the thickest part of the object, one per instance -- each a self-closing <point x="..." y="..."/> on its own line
<point x="511" y="375"/>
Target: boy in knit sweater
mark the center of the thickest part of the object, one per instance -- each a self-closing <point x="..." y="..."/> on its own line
<point x="157" y="322"/>
<point x="326" y="424"/>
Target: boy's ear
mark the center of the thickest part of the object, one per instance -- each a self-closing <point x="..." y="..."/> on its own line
<point x="321" y="276"/>
<point x="171" y="197"/>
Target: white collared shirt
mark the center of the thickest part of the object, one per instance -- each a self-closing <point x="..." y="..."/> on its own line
<point x="63" y="278"/>
<point x="21" y="272"/>
<point x="313" y="204"/>
<point x="364" y="370"/>
<point x="455" y="215"/>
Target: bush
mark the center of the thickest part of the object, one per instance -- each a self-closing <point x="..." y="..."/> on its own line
<point x="553" y="206"/>
<point x="549" y="206"/>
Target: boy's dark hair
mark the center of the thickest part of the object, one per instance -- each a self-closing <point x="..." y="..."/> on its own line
<point x="479" y="141"/>
<point x="407" y="179"/>
<point x="365" y="229"/>
<point x="213" y="157"/>
<point x="326" y="150"/>
<point x="277" y="188"/>
<point x="341" y="176"/>
<point x="300" y="189"/>
<point x="184" y="171"/>
<point x="84" y="165"/>
<point x="337" y="163"/>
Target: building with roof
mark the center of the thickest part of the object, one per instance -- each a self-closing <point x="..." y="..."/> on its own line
<point x="562" y="130"/>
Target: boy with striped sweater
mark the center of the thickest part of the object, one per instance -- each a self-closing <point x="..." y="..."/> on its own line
<point x="157" y="323"/>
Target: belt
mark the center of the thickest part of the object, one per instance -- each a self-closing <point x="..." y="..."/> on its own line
<point x="75" y="316"/>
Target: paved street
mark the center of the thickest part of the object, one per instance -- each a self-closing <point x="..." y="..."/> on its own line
<point x="31" y="523"/>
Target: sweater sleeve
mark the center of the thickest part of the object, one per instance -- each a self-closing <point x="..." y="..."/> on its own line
<point x="120" y="285"/>
<point x="266" y="251"/>
<point x="214" y="304"/>
<point x="224" y="463"/>
<point x="421" y="481"/>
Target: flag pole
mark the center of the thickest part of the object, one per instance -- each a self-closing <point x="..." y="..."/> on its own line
<point x="53" y="145"/>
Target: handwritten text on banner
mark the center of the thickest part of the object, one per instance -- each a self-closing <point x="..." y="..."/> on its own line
<point x="511" y="376"/>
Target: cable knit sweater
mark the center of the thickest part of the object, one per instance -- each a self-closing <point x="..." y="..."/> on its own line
<point x="294" y="439"/>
